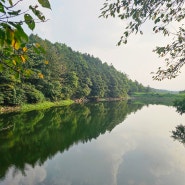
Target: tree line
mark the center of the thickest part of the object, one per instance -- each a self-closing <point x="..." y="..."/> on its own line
<point x="59" y="73"/>
<point x="14" y="39"/>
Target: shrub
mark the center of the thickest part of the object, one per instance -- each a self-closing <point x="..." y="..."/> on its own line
<point x="33" y="95"/>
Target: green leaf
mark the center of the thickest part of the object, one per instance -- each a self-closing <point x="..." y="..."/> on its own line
<point x="2" y="37"/>
<point x="20" y="35"/>
<point x="14" y="12"/>
<point x="9" y="35"/>
<point x="37" y="13"/>
<point x="126" y="33"/>
<point x="119" y="43"/>
<point x="1" y="67"/>
<point x="157" y="20"/>
<point x="29" y="21"/>
<point x="169" y="5"/>
<point x="2" y="8"/>
<point x="45" y="3"/>
<point x="10" y="1"/>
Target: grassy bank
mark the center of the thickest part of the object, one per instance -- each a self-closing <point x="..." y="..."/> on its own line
<point x="156" y="98"/>
<point x="37" y="106"/>
<point x="45" y="105"/>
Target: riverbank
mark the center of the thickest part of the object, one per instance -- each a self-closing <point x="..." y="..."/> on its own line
<point x="47" y="104"/>
<point x="156" y="98"/>
<point x="139" y="98"/>
<point x="37" y="106"/>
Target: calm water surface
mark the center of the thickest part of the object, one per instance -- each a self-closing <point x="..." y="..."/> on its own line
<point x="93" y="144"/>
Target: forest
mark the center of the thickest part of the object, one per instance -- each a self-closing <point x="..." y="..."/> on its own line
<point x="54" y="72"/>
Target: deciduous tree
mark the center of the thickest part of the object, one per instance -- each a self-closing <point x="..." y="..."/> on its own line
<point x="162" y="13"/>
<point x="13" y="38"/>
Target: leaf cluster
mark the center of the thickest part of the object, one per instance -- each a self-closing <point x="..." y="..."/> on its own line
<point x="179" y="133"/>
<point x="162" y="13"/>
<point x="13" y="38"/>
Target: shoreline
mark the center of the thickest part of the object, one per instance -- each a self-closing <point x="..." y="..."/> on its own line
<point x="37" y="106"/>
<point x="47" y="104"/>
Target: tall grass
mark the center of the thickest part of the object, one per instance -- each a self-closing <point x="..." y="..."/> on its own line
<point x="44" y="105"/>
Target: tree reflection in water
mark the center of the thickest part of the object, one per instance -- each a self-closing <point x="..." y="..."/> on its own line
<point x="33" y="137"/>
<point x="180" y="106"/>
<point x="179" y="134"/>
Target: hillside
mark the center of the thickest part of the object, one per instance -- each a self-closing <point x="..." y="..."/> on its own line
<point x="60" y="73"/>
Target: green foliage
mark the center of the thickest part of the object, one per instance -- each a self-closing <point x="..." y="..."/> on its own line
<point x="13" y="38"/>
<point x="180" y="105"/>
<point x="7" y="94"/>
<point x="163" y="13"/>
<point x="182" y="92"/>
<point x="44" y="105"/>
<point x="32" y="94"/>
<point x="61" y="73"/>
<point x="44" y="3"/>
<point x="155" y="98"/>
<point x="179" y="134"/>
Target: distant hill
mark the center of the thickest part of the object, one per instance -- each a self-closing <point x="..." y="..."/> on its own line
<point x="62" y="73"/>
<point x="164" y="91"/>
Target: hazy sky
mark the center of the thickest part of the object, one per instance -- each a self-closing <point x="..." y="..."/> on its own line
<point x="76" y="23"/>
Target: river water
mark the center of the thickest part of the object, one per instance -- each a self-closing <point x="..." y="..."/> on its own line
<point x="111" y="143"/>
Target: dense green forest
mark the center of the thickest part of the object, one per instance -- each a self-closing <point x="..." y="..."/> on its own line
<point x="59" y="73"/>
